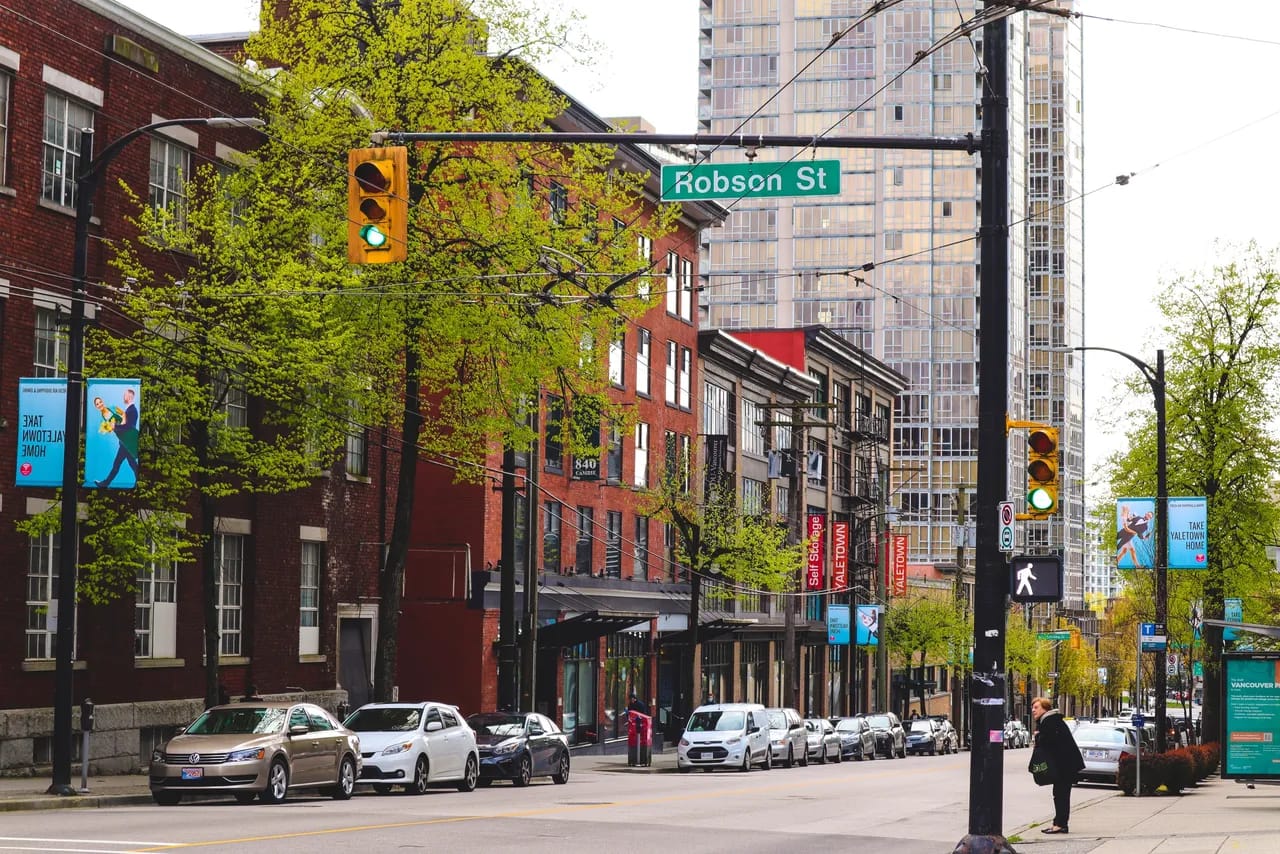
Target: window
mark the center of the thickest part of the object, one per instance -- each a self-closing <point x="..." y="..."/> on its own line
<point x="640" y="568"/>
<point x="644" y="248"/>
<point x="946" y="208"/>
<point x="232" y="400"/>
<point x="65" y="121"/>
<point x="686" y="289"/>
<point x="552" y="520"/>
<point x="715" y="410"/>
<point x="553" y="447"/>
<point x="673" y="283"/>
<point x="613" y="455"/>
<point x="686" y="373"/>
<point x="229" y="553"/>
<point x="42" y="595"/>
<point x="641" y="476"/>
<point x="752" y="428"/>
<point x="613" y="544"/>
<point x="685" y="447"/>
<point x="582" y="559"/>
<point x="672" y="357"/>
<point x="753" y="492"/>
<point x="558" y="199"/>
<point x="155" y="625"/>
<point x="6" y="87"/>
<point x="50" y="345"/>
<point x="897" y="113"/>
<point x="309" y="599"/>
<point x="617" y="349"/>
<point x="357" y="446"/>
<point x="781" y="500"/>
<point x="644" y="344"/>
<point x="170" y="171"/>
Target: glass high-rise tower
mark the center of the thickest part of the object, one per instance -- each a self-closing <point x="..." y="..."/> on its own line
<point x="892" y="263"/>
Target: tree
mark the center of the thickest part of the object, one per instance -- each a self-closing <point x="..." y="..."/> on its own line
<point x="1223" y="339"/>
<point x="931" y="626"/>
<point x="521" y="258"/>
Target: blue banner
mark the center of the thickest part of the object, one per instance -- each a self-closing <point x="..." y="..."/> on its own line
<point x="868" y="627"/>
<point x="1232" y="612"/>
<point x="1135" y="533"/>
<point x="42" y="422"/>
<point x="838" y="625"/>
<point x="111" y="434"/>
<point x="1188" y="533"/>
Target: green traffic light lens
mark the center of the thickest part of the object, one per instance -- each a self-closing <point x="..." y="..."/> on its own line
<point x="375" y="237"/>
<point x="1040" y="499"/>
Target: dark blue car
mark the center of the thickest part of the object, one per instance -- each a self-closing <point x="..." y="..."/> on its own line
<point x="520" y="746"/>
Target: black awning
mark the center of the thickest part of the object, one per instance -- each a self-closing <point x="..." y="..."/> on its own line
<point x="589" y="626"/>
<point x="709" y="630"/>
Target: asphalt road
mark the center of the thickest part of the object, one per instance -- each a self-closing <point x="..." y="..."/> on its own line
<point x="902" y="806"/>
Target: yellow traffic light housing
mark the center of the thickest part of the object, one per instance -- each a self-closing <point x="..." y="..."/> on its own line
<point x="377" y="205"/>
<point x="1042" y="471"/>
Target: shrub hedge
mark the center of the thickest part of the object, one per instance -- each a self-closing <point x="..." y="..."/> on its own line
<point x="1175" y="770"/>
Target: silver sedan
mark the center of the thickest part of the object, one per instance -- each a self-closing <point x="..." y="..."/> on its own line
<point x="1101" y="748"/>
<point x="824" y="741"/>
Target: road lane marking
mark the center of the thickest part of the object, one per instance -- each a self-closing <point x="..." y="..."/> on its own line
<point x="70" y="850"/>
<point x="92" y="841"/>
<point x="531" y="813"/>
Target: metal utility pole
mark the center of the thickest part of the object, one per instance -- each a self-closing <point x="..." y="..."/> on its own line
<point x="508" y="680"/>
<point x="957" y="673"/>
<point x="1156" y="382"/>
<point x="529" y="634"/>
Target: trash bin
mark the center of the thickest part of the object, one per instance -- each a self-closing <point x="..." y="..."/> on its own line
<point x="639" y="739"/>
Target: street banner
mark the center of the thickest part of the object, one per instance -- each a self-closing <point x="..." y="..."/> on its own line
<point x="1232" y="612"/>
<point x="814" y="571"/>
<point x="840" y="555"/>
<point x="42" y="422"/>
<point x="895" y="563"/>
<point x="111" y="433"/>
<point x="838" y="625"/>
<point x="1188" y="533"/>
<point x="1135" y="529"/>
<point x="1251" y="716"/>
<point x="868" y="626"/>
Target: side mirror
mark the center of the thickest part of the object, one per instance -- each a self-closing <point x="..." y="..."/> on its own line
<point x="434" y="726"/>
<point x="752" y="729"/>
<point x="299" y="729"/>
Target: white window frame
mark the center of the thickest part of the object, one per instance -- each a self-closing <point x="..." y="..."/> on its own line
<point x="640" y="477"/>
<point x="644" y="348"/>
<point x="231" y="400"/>
<point x="43" y="554"/>
<point x="67" y="118"/>
<point x="617" y="354"/>
<point x="229" y="553"/>
<point x="170" y="172"/>
<point x="311" y="568"/>
<point x="49" y="335"/>
<point x="686" y="376"/>
<point x="673" y="283"/>
<point x="6" y="96"/>
<point x="155" y="612"/>
<point x="686" y="289"/>
<point x="673" y="358"/>
<point x="752" y="432"/>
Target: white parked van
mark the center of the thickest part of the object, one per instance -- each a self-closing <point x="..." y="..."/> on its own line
<point x="725" y="735"/>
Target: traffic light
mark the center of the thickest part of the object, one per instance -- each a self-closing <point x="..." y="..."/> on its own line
<point x="377" y="205"/>
<point x="1042" y="471"/>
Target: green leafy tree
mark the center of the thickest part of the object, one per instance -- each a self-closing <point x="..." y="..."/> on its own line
<point x="930" y="626"/>
<point x="1222" y="336"/>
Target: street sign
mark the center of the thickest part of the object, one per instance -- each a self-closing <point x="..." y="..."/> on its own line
<point x="1006" y="526"/>
<point x="1035" y="578"/>
<point x="754" y="180"/>
<point x="1153" y="637"/>
<point x="1053" y="636"/>
<point x="1171" y="664"/>
<point x="1139" y="720"/>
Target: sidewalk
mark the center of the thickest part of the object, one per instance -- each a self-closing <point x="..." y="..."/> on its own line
<point x="1216" y="816"/>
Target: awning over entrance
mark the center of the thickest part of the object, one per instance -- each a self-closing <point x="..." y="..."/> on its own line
<point x="709" y="630"/>
<point x="589" y="626"/>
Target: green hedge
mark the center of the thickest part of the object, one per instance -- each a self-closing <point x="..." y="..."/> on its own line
<point x="1175" y="770"/>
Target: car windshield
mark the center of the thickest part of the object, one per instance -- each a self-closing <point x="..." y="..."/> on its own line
<point x="921" y="726"/>
<point x="497" y="723"/>
<point x="385" y="720"/>
<point x="716" y="721"/>
<point x="1099" y="735"/>
<point x="777" y="720"/>
<point x="880" y="721"/>
<point x="252" y="720"/>
<point x="847" y="725"/>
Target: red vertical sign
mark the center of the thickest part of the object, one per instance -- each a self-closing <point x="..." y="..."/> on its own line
<point x="813" y="577"/>
<point x="840" y="555"/>
<point x="895" y="564"/>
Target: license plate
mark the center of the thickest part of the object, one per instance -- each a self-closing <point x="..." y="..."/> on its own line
<point x="1095" y="754"/>
<point x="192" y="773"/>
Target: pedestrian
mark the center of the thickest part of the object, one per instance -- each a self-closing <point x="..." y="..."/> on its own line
<point x="1055" y="742"/>
<point x="637" y="705"/>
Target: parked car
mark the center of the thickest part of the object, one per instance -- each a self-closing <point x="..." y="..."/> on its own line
<point x="823" y="740"/>
<point x="1102" y="747"/>
<point x="857" y="741"/>
<point x="725" y="735"/>
<point x="262" y="749"/>
<point x="415" y="745"/>
<point x="1016" y="735"/>
<point x="925" y="736"/>
<point x="950" y="737"/>
<point x="520" y="746"/>
<point x="891" y="740"/>
<point x="788" y="741"/>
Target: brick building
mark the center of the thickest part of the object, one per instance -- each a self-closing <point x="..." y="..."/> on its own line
<point x="298" y="576"/>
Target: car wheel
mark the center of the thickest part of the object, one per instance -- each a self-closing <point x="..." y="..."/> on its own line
<point x="902" y="753"/>
<point x="562" y="770"/>
<point x="861" y="755"/>
<point x="791" y="757"/>
<point x="839" y="755"/>
<point x="804" y="757"/>
<point x="277" y="783"/>
<point x="525" y="774"/>
<point x="421" y="776"/>
<point x="245" y="797"/>
<point x="822" y="760"/>
<point x="470" y="775"/>
<point x="871" y="755"/>
<point x="746" y="761"/>
<point x="346" y="780"/>
<point x="768" y="760"/>
<point x="166" y="799"/>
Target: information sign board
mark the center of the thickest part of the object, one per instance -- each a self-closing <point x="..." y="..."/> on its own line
<point x="1251" y="716"/>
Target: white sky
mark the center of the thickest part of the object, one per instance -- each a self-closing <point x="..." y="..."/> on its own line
<point x="1157" y="102"/>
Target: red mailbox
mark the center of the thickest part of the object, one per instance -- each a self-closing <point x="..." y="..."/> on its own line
<point x="639" y="739"/>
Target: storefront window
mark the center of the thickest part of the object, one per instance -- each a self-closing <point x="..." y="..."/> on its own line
<point x="579" y="719"/>
<point x="717" y="666"/>
<point x="754" y="675"/>
<point x="626" y="669"/>
<point x="835" y="680"/>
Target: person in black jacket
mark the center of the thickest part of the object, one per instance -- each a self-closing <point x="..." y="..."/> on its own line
<point x="1054" y="738"/>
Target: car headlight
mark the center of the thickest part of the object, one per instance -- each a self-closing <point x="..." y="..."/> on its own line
<point x="157" y="756"/>
<point x="246" y="755"/>
<point x="507" y="747"/>
<point x="684" y="742"/>
<point x="733" y="741"/>
<point x="396" y="748"/>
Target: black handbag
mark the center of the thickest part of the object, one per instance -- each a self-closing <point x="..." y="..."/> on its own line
<point x="1041" y="767"/>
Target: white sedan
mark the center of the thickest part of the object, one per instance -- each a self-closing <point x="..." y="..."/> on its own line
<point x="415" y="745"/>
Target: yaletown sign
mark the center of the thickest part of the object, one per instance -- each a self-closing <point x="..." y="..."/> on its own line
<point x="754" y="180"/>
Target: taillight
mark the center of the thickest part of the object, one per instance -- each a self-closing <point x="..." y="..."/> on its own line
<point x="1124" y="754"/>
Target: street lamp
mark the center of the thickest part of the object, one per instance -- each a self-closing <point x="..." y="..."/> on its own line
<point x="1155" y="379"/>
<point x="87" y="184"/>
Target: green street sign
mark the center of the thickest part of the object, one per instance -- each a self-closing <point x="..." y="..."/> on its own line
<point x="754" y="180"/>
<point x="1053" y="636"/>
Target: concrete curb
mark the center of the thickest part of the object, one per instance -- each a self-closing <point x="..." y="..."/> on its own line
<point x="71" y="802"/>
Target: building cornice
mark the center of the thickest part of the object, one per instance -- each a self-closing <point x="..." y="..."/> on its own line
<point x="163" y="37"/>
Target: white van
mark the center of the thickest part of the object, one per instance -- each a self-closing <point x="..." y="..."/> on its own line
<point x="725" y="735"/>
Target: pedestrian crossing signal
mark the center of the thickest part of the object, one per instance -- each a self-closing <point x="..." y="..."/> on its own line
<point x="1035" y="578"/>
<point x="1042" y="471"/>
<point x="377" y="205"/>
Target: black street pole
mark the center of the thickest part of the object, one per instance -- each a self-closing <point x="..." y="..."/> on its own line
<point x="991" y="576"/>
<point x="87" y="184"/>
<point x="508" y="661"/>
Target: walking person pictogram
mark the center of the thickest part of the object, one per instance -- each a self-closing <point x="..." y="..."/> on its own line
<point x="1024" y="581"/>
